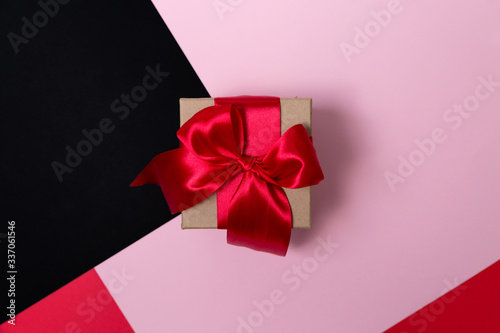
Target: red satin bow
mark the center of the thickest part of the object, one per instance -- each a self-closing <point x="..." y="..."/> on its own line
<point x="212" y="142"/>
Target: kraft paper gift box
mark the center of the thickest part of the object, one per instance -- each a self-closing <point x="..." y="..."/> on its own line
<point x="293" y="111"/>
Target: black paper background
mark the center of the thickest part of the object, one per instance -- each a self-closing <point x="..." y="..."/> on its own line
<point x="63" y="81"/>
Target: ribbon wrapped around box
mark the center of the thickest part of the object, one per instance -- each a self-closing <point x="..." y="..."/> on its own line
<point x="234" y="160"/>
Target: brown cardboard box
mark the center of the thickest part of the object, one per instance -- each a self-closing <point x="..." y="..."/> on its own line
<point x="293" y="111"/>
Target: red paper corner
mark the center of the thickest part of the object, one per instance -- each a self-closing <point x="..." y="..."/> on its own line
<point x="83" y="305"/>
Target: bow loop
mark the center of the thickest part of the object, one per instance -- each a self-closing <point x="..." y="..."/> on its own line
<point x="214" y="135"/>
<point x="291" y="162"/>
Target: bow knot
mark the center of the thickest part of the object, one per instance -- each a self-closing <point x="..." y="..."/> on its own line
<point x="246" y="162"/>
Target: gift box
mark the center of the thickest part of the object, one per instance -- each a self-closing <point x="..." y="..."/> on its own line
<point x="244" y="164"/>
<point x="293" y="111"/>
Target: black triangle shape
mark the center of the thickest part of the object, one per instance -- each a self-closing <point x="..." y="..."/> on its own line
<point x="101" y="79"/>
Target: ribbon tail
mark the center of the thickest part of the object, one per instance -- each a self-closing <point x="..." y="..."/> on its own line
<point x="147" y="176"/>
<point x="185" y="180"/>
<point x="259" y="216"/>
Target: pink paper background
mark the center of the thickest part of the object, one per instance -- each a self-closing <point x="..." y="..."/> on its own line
<point x="397" y="250"/>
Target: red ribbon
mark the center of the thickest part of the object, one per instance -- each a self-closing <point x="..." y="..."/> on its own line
<point x="234" y="148"/>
